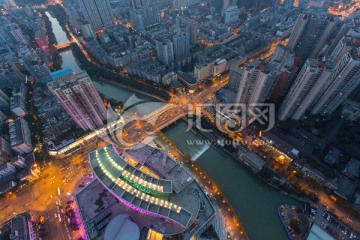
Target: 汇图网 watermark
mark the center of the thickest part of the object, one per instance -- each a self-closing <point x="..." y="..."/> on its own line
<point x="139" y="120"/>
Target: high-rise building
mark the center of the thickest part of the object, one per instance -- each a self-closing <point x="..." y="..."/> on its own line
<point x="232" y="15"/>
<point x="73" y="18"/>
<point x="181" y="43"/>
<point x="20" y="136"/>
<point x="86" y="29"/>
<point x="146" y="16"/>
<point x="97" y="12"/>
<point x="165" y="51"/>
<point x="308" y="84"/>
<point x="10" y="76"/>
<point x="4" y="100"/>
<point x="17" y="105"/>
<point x="137" y="20"/>
<point x="321" y="88"/>
<point x="346" y="30"/>
<point x="254" y="82"/>
<point x="225" y="6"/>
<point x="309" y="34"/>
<point x="5" y="150"/>
<point x="192" y="29"/>
<point x="343" y="81"/>
<point x="79" y="97"/>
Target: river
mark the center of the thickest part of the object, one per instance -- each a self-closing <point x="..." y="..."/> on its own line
<point x="254" y="202"/>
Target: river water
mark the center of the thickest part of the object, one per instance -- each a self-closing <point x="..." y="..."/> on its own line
<point x="254" y="202"/>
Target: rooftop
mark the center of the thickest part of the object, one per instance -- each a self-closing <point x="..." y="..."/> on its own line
<point x="316" y="233"/>
<point x="61" y="73"/>
<point x="141" y="193"/>
<point x="185" y="210"/>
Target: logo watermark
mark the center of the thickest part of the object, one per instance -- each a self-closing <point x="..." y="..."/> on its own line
<point x="139" y="120"/>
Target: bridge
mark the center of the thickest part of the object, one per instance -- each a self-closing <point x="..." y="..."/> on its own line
<point x="63" y="46"/>
<point x="158" y="119"/>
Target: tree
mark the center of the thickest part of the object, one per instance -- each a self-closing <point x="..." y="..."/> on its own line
<point x="295" y="226"/>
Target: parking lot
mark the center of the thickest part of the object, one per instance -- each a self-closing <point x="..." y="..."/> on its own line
<point x="331" y="224"/>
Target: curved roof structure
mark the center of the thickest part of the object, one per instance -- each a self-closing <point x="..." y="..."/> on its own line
<point x="121" y="228"/>
<point x="136" y="189"/>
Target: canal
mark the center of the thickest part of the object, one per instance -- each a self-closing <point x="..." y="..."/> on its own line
<point x="254" y="202"/>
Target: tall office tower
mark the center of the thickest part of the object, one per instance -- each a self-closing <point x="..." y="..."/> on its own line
<point x="97" y="12"/>
<point x="253" y="83"/>
<point x="307" y="86"/>
<point x="309" y="34"/>
<point x="181" y="43"/>
<point x="5" y="150"/>
<point x="165" y="51"/>
<point x="20" y="136"/>
<point x="232" y="15"/>
<point x="344" y="80"/>
<point x="4" y="100"/>
<point x="79" y="97"/>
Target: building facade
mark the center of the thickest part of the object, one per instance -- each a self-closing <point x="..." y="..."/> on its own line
<point x="79" y="97"/>
<point x="97" y="12"/>
<point x="20" y="136"/>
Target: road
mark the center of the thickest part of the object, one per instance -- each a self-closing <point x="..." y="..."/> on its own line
<point x="39" y="198"/>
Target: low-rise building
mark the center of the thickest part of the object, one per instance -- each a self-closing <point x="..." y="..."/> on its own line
<point x="352" y="169"/>
<point x="333" y="156"/>
<point x="346" y="188"/>
<point x="252" y="160"/>
<point x="313" y="173"/>
<point x="351" y="110"/>
<point x="7" y="183"/>
<point x="169" y="77"/>
<point x="23" y="227"/>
